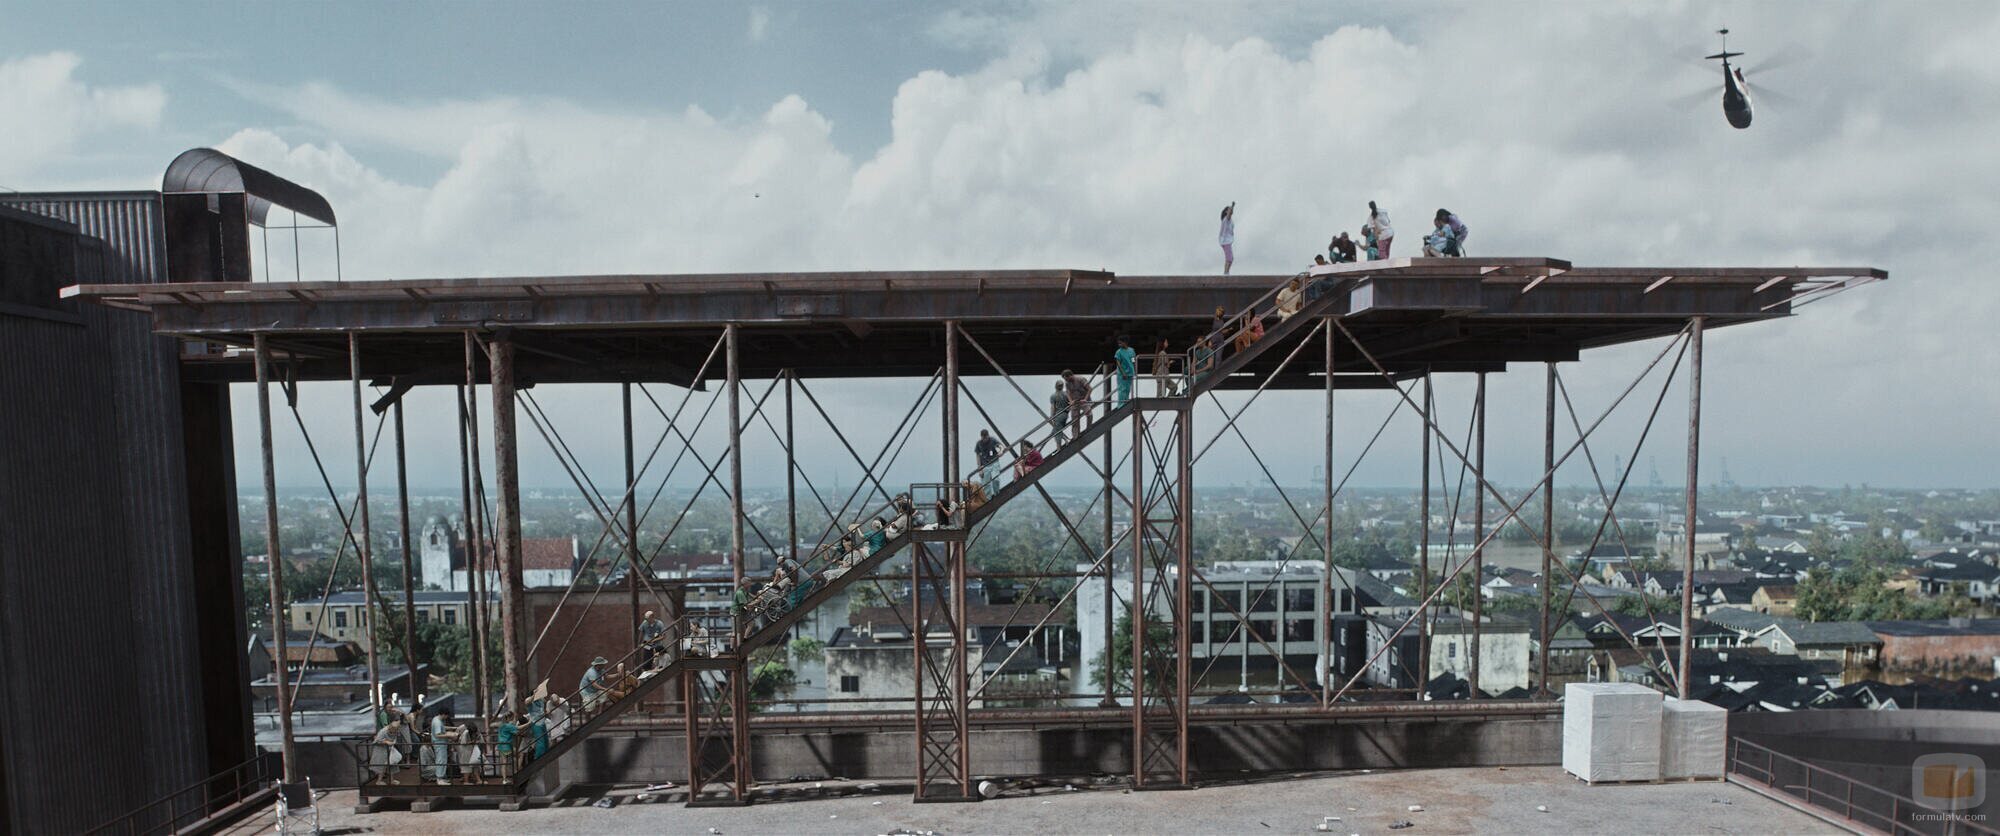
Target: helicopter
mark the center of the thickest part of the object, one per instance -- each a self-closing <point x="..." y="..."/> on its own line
<point x="1735" y="91"/>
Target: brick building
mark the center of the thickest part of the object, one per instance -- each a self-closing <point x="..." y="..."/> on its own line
<point x="1958" y="645"/>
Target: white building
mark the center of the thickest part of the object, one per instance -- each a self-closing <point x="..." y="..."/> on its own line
<point x="1283" y="603"/>
<point x="545" y="561"/>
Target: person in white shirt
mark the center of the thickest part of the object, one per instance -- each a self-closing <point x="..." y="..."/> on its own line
<point x="1378" y="220"/>
<point x="1228" y="236"/>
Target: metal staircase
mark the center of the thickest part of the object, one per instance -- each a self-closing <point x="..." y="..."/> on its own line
<point x="711" y="663"/>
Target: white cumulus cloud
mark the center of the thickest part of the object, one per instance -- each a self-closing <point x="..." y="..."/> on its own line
<point x="48" y="110"/>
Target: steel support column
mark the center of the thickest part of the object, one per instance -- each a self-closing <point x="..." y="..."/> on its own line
<point x="937" y="598"/>
<point x="1547" y="579"/>
<point x="631" y="516"/>
<point x="507" y="523"/>
<point x="365" y="546"/>
<point x="1478" y="534"/>
<point x="1110" y="698"/>
<point x="403" y="533"/>
<point x="1693" y="490"/>
<point x="734" y="384"/>
<point x="716" y="709"/>
<point x="1162" y="570"/>
<point x="1424" y="545"/>
<point x="792" y="475"/>
<point x="475" y="604"/>
<point x="1325" y="614"/>
<point x="274" y="562"/>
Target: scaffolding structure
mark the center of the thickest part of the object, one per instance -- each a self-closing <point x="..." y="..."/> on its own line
<point x="1387" y="325"/>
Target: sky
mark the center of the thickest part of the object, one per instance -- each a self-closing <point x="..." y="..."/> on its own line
<point x="462" y="139"/>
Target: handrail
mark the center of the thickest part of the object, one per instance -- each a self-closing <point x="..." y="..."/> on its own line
<point x="250" y="777"/>
<point x="1834" y="793"/>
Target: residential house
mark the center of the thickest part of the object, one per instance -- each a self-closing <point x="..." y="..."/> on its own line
<point x="1775" y="599"/>
<point x="1849" y="642"/>
<point x="1977" y="581"/>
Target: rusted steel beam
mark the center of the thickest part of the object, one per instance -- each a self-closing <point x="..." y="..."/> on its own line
<point x="507" y="523"/>
<point x="274" y="563"/>
<point x="1548" y="534"/>
<point x="365" y="549"/>
<point x="403" y="532"/>
<point x="1693" y="497"/>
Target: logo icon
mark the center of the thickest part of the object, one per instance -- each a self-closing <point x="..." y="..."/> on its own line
<point x="1949" y="781"/>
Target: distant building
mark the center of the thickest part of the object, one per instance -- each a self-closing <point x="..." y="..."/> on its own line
<point x="1851" y="643"/>
<point x="545" y="561"/>
<point x="1978" y="581"/>
<point x="1775" y="599"/>
<point x="1010" y="662"/>
<point x="342" y="616"/>
<point x="1954" y="645"/>
<point x="1503" y="651"/>
<point x="1284" y="606"/>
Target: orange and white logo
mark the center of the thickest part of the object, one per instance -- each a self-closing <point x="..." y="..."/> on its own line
<point x="1949" y="781"/>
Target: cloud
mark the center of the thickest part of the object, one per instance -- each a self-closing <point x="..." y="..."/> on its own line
<point x="760" y="24"/>
<point x="1100" y="137"/>
<point x="50" y="111"/>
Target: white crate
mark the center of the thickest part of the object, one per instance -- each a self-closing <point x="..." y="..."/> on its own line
<point x="1611" y="731"/>
<point x="1692" y="737"/>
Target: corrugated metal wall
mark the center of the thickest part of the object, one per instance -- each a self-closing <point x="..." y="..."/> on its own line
<point x="97" y="614"/>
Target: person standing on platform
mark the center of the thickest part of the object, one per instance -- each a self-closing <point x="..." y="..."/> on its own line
<point x="1378" y="220"/>
<point x="440" y="745"/>
<point x="1128" y="368"/>
<point x="1163" y="369"/>
<point x="1228" y="236"/>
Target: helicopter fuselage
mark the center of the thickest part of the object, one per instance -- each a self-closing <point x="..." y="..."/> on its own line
<point x="1735" y="93"/>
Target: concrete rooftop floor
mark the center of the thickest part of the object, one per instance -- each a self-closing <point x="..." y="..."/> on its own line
<point x="1470" y="800"/>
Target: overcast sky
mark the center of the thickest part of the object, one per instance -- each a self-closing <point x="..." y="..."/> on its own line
<point x="494" y="139"/>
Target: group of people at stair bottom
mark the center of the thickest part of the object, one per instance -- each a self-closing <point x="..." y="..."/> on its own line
<point x="416" y="745"/>
<point x="1445" y="240"/>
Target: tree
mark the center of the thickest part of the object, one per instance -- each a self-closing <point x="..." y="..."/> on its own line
<point x="1159" y="635"/>
<point x="807" y="649"/>
<point x="446" y="647"/>
<point x="1876" y="549"/>
<point x="769" y="675"/>
<point x="1861" y="592"/>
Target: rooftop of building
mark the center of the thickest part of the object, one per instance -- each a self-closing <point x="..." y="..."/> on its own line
<point x="353" y="597"/>
<point x="1469" y="800"/>
<point x="1951" y="627"/>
